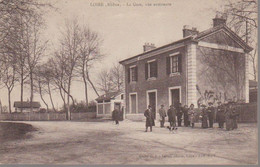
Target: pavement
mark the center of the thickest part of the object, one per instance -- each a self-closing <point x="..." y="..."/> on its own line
<point x="67" y="142"/>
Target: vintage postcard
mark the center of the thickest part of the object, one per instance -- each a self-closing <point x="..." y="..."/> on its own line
<point x="128" y="82"/>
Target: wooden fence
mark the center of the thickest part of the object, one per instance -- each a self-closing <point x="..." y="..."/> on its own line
<point x="30" y="116"/>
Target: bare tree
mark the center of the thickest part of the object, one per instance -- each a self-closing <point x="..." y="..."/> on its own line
<point x="19" y="27"/>
<point x="117" y="77"/>
<point x="104" y="83"/>
<point x="70" y="44"/>
<point x="89" y="53"/>
<point x="41" y="83"/>
<point x="8" y="75"/>
<point x="242" y="18"/>
<point x="111" y="80"/>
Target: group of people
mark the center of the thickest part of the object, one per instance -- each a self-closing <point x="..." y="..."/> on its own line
<point x="224" y="113"/>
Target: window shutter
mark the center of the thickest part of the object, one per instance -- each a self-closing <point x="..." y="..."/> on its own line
<point x="146" y="71"/>
<point x="156" y="68"/>
<point x="168" y="64"/>
<point x="180" y="63"/>
<point x="136" y="73"/>
<point x="128" y="75"/>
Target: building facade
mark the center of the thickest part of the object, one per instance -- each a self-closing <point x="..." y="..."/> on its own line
<point x="186" y="70"/>
<point x="108" y="102"/>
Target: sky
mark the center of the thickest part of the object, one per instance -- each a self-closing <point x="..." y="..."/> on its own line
<point x="124" y="30"/>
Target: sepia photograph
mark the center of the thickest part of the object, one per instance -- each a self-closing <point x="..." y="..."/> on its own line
<point x="128" y="82"/>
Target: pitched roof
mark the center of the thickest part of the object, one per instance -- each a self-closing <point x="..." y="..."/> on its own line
<point x="108" y="96"/>
<point x="224" y="27"/>
<point x="161" y="47"/>
<point x="197" y="38"/>
<point x="19" y="104"/>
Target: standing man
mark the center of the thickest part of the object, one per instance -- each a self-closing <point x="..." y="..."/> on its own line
<point x="179" y="114"/>
<point x="220" y="115"/>
<point x="186" y="116"/>
<point x="204" y="118"/>
<point x="162" y="114"/>
<point x="191" y="113"/>
<point x="116" y="116"/>
<point x="172" y="117"/>
<point x="210" y="112"/>
<point x="234" y="115"/>
<point x="228" y="119"/>
<point x="149" y="118"/>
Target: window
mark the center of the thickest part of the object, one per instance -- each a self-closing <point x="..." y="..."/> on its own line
<point x="132" y="74"/>
<point x="151" y="69"/>
<point x="174" y="64"/>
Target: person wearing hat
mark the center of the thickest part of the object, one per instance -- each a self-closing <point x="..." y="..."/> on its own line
<point x="172" y="116"/>
<point x="162" y="114"/>
<point x="204" y="115"/>
<point x="220" y="115"/>
<point x="179" y="113"/>
<point x="234" y="114"/>
<point x="191" y="113"/>
<point x="186" y="116"/>
<point x="149" y="118"/>
<point x="210" y="112"/>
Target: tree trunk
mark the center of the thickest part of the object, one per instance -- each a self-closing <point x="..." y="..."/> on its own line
<point x="68" y="101"/>
<point x="86" y="90"/>
<point x="92" y="85"/>
<point x="40" y="89"/>
<point x="31" y="85"/>
<point x="63" y="99"/>
<point x="9" y="101"/>
<point x="49" y="90"/>
<point x="22" y="92"/>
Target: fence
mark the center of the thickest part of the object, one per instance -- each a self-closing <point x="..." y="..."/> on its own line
<point x="46" y="116"/>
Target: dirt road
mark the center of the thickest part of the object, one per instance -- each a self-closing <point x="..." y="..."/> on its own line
<point x="106" y="143"/>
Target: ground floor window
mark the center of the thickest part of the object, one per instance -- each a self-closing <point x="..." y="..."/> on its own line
<point x="133" y="103"/>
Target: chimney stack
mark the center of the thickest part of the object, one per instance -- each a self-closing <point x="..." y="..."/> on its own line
<point x="148" y="47"/>
<point x="220" y="19"/>
<point x="187" y="31"/>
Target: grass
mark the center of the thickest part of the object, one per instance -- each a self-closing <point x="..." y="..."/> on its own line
<point x="14" y="131"/>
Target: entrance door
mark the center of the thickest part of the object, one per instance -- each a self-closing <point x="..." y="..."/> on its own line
<point x="152" y="102"/>
<point x="175" y="94"/>
<point x="133" y="103"/>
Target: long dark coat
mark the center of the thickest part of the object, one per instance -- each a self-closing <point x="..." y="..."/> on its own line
<point x="220" y="114"/>
<point x="171" y="115"/>
<point x="228" y="120"/>
<point x="115" y="115"/>
<point x="233" y="116"/>
<point x="191" y="113"/>
<point x="149" y="118"/>
<point x="204" y="115"/>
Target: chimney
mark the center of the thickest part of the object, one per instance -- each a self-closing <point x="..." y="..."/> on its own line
<point x="187" y="31"/>
<point x="148" y="47"/>
<point x="219" y="20"/>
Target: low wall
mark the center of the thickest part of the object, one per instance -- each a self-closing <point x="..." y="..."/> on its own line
<point x="46" y="116"/>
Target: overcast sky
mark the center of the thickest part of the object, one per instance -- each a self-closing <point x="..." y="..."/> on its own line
<point x="124" y="29"/>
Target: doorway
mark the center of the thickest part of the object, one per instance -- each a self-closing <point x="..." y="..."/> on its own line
<point x="152" y="101"/>
<point x="174" y="96"/>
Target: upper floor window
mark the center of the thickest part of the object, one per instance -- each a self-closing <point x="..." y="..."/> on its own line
<point x="173" y="63"/>
<point x="151" y="69"/>
<point x="132" y="74"/>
